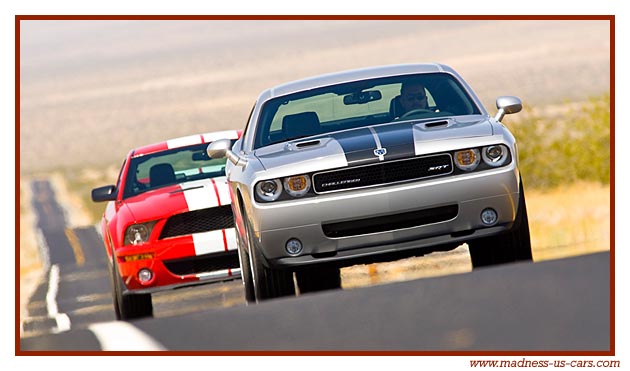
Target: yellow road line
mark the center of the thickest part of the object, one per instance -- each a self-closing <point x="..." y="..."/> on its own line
<point x="76" y="246"/>
<point x="373" y="274"/>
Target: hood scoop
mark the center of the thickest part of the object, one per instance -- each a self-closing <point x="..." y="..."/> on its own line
<point x="302" y="145"/>
<point x="436" y="124"/>
<point x="309" y="143"/>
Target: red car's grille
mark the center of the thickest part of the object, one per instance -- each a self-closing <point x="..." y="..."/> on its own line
<point x="203" y="263"/>
<point x="198" y="221"/>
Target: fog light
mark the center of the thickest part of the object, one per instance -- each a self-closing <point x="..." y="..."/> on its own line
<point x="145" y="275"/>
<point x="488" y="216"/>
<point x="293" y="246"/>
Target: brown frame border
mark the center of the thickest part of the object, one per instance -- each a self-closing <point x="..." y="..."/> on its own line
<point x="610" y="18"/>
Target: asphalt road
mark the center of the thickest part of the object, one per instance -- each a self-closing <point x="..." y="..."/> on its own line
<point x="84" y="293"/>
<point x="561" y="305"/>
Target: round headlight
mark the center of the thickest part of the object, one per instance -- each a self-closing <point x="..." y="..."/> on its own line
<point x="137" y="234"/>
<point x="298" y="185"/>
<point x="495" y="155"/>
<point x="467" y="159"/>
<point x="145" y="275"/>
<point x="269" y="190"/>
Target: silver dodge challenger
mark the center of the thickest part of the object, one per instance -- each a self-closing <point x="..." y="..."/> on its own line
<point x="371" y="165"/>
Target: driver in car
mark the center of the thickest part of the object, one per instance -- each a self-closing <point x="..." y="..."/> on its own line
<point x="412" y="96"/>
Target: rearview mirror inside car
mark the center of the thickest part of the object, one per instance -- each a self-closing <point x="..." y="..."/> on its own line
<point x="362" y="97"/>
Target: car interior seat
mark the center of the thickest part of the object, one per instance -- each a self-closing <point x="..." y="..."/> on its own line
<point x="161" y="174"/>
<point x="300" y="125"/>
<point x="395" y="107"/>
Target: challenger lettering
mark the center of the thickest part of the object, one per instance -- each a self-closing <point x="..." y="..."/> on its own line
<point x="341" y="182"/>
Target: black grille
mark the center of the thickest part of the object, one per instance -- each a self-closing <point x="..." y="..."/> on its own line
<point x="203" y="263"/>
<point x="383" y="173"/>
<point x="198" y="221"/>
<point x="390" y="222"/>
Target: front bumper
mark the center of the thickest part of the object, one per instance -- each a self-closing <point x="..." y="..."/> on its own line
<point x="274" y="224"/>
<point x="169" y="252"/>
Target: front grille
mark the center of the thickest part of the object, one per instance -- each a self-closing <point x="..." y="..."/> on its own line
<point x="390" y="222"/>
<point x="203" y="263"/>
<point x="383" y="173"/>
<point x="198" y="221"/>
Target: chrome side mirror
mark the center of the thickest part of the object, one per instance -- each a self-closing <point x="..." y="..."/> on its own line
<point x="507" y="105"/>
<point x="222" y="148"/>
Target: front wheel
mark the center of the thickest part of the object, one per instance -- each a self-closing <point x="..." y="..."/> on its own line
<point x="129" y="306"/>
<point x="246" y="273"/>
<point x="268" y="283"/>
<point x="512" y="246"/>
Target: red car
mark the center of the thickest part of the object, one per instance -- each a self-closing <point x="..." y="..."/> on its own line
<point x="168" y="222"/>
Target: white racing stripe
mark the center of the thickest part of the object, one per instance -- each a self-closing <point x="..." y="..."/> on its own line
<point x="199" y="194"/>
<point x="184" y="141"/>
<point x="223" y="189"/>
<point x="121" y="336"/>
<point x="378" y="143"/>
<point x="208" y="242"/>
<point x="230" y="236"/>
<point x="228" y="134"/>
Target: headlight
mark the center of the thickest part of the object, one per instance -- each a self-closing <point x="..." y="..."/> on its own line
<point x="298" y="185"/>
<point x="467" y="159"/>
<point x="138" y="234"/>
<point x="495" y="155"/>
<point x="269" y="190"/>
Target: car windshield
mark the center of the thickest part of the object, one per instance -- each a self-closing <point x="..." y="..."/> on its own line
<point x="160" y="169"/>
<point x="359" y="104"/>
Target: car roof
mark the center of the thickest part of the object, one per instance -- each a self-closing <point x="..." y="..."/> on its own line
<point x="352" y="75"/>
<point x="186" y="141"/>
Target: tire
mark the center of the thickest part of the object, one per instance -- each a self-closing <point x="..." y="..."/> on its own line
<point x="318" y="279"/>
<point x="130" y="306"/>
<point x="512" y="246"/>
<point x="246" y="273"/>
<point x="114" y="288"/>
<point x="268" y="283"/>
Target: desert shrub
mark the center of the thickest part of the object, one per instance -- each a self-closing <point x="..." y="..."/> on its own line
<point x="562" y="149"/>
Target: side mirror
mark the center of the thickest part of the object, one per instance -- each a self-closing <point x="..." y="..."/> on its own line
<point x="221" y="148"/>
<point x="106" y="193"/>
<point x="507" y="105"/>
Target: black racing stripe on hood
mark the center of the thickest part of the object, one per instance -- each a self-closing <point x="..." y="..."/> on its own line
<point x="397" y="139"/>
<point x="358" y="146"/>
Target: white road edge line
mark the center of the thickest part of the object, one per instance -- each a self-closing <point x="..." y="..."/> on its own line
<point x="63" y="321"/>
<point x="121" y="336"/>
<point x="44" y="256"/>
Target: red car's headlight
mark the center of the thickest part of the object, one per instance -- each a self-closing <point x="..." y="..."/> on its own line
<point x="137" y="234"/>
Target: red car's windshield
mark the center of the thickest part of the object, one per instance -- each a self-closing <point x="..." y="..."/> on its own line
<point x="157" y="170"/>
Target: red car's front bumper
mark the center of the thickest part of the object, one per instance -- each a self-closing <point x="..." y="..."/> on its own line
<point x="186" y="260"/>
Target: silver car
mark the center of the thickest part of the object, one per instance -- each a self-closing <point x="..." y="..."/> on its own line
<point x="371" y="165"/>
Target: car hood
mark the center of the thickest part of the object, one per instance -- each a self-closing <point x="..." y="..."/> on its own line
<point x="179" y="198"/>
<point x="371" y="144"/>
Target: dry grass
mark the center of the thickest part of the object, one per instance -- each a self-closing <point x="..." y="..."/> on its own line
<point x="569" y="220"/>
